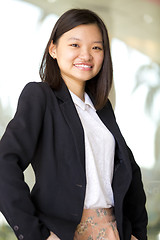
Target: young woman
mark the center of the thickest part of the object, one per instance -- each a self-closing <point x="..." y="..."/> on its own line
<point x="88" y="185"/>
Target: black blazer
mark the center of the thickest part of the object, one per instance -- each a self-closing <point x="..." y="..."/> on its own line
<point x="46" y="131"/>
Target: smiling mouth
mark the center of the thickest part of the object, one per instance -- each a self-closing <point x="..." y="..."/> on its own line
<point x="83" y="66"/>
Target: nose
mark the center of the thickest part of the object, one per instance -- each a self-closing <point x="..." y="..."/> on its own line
<point x="85" y="54"/>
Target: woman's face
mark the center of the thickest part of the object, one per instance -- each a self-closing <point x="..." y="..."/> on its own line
<point x="79" y="53"/>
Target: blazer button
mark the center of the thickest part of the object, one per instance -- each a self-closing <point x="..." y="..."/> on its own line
<point x="16" y="228"/>
<point x="21" y="237"/>
<point x="74" y="214"/>
<point x="79" y="185"/>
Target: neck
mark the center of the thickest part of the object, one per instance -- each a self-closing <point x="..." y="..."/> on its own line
<point x="77" y="88"/>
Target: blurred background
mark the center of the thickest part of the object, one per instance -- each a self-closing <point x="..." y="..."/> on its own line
<point x="134" y="30"/>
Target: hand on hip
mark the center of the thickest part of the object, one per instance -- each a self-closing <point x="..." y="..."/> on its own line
<point x="133" y="238"/>
<point x="52" y="237"/>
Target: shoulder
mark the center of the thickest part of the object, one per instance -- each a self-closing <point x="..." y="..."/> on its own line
<point x="36" y="91"/>
<point x="36" y="88"/>
<point x="109" y="109"/>
<point x="34" y="94"/>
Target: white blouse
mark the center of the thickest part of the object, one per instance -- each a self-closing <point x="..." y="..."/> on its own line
<point x="99" y="152"/>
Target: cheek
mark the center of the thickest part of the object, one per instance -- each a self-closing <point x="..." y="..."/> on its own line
<point x="70" y="56"/>
<point x="67" y="55"/>
<point x="65" y="59"/>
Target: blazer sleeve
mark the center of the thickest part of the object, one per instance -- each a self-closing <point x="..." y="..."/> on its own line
<point x="134" y="205"/>
<point x="17" y="148"/>
<point x="135" y="198"/>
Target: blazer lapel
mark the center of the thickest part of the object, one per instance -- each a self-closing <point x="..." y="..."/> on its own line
<point x="106" y="114"/>
<point x="123" y="173"/>
<point x="71" y="116"/>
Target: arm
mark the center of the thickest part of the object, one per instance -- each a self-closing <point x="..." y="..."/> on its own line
<point x="16" y="152"/>
<point x="134" y="205"/>
<point x="135" y="199"/>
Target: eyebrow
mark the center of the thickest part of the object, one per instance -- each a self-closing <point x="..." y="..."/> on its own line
<point x="74" y="38"/>
<point x="77" y="39"/>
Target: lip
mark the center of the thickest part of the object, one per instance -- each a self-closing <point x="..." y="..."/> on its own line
<point x="83" y="66"/>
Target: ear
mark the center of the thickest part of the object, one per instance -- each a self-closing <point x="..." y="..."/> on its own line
<point x="52" y="50"/>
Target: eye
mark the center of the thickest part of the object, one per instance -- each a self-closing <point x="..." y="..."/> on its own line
<point x="97" y="48"/>
<point x="74" y="45"/>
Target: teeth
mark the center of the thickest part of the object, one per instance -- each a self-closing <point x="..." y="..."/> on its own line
<point x="82" y="65"/>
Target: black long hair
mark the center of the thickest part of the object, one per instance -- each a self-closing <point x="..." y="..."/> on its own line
<point x="49" y="71"/>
